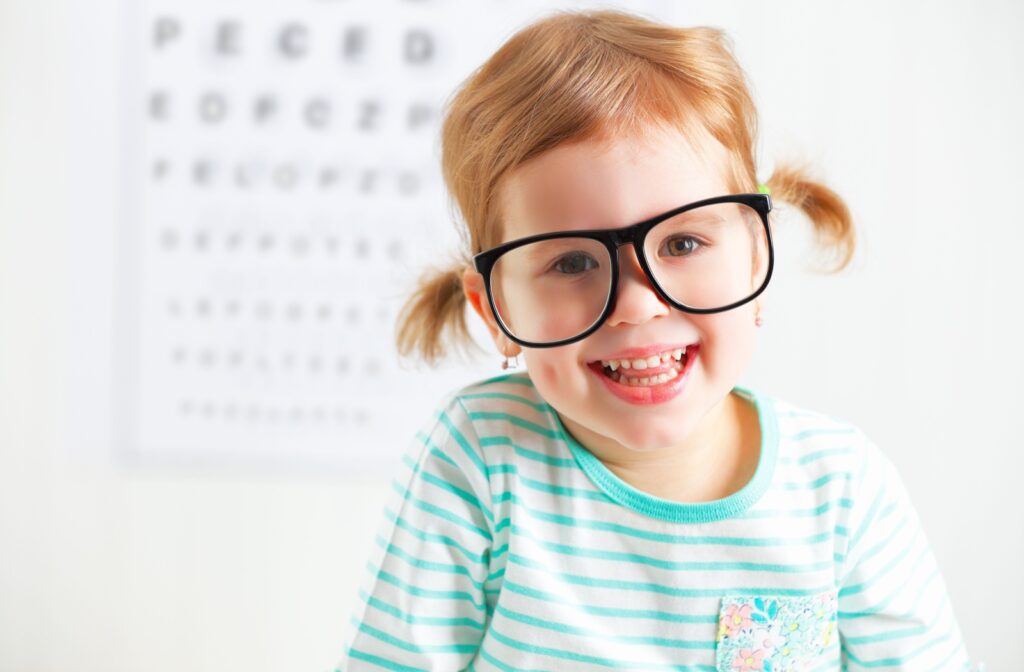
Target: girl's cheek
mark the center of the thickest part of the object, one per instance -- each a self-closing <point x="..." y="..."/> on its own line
<point x="550" y="373"/>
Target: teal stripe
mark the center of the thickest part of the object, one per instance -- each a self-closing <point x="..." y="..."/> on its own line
<point x="563" y="462"/>
<point x="868" y="521"/>
<point x="884" y="543"/>
<point x="464" y="444"/>
<point x="418" y="648"/>
<point x="964" y="664"/>
<point x="540" y="486"/>
<point x="597" y="495"/>
<point x="880" y="607"/>
<point x="806" y="414"/>
<point x="464" y="495"/>
<point x="440" y="512"/>
<point x="898" y="661"/>
<point x="592" y="582"/>
<point x="635" y="558"/>
<point x="577" y="493"/>
<point x="902" y="633"/>
<point x="554" y="626"/>
<point x="883" y="572"/>
<point x="815" y="456"/>
<point x="526" y="453"/>
<point x="810" y="433"/>
<point x="381" y="605"/>
<point x="582" y="658"/>
<point x="410" y="589"/>
<point x="381" y="662"/>
<point x="502" y="666"/>
<point x="842" y="531"/>
<point x="816" y="483"/>
<point x="667" y="538"/>
<point x="863" y="467"/>
<point x="842" y="502"/>
<point x="503" y="497"/>
<point x="444" y="568"/>
<point x="425" y="441"/>
<point x="494" y="661"/>
<point x="515" y="420"/>
<point x="448" y="486"/>
<point x="436" y="538"/>
<point x="543" y="407"/>
<point x="667" y="616"/>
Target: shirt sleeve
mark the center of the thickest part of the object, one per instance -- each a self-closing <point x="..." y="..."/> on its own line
<point x="423" y="603"/>
<point x="894" y="611"/>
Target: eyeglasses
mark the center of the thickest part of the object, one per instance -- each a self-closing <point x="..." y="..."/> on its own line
<point x="556" y="288"/>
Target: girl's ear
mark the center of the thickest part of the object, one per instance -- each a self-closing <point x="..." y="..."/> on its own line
<point x="476" y="294"/>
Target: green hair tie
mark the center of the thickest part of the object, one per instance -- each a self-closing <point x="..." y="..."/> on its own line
<point x="763" y="189"/>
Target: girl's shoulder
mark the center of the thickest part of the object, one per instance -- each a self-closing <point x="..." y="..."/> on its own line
<point x="794" y="417"/>
<point x="819" y="441"/>
<point x="501" y="410"/>
<point x="510" y="393"/>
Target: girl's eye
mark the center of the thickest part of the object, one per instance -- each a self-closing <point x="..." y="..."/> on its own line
<point x="574" y="262"/>
<point x="682" y="246"/>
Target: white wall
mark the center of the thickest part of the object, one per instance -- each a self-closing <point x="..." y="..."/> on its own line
<point x="911" y="112"/>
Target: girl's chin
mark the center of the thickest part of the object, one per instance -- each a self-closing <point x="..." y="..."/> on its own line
<point x="629" y="435"/>
<point x="646" y="446"/>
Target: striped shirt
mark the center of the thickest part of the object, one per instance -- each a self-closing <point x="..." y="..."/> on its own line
<point x="506" y="545"/>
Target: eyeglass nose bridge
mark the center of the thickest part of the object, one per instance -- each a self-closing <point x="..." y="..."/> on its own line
<point x="633" y="236"/>
<point x="627" y="235"/>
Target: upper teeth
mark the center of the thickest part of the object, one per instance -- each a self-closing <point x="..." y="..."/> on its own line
<point x="645" y="362"/>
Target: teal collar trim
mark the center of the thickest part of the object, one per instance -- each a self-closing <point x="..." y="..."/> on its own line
<point x="682" y="512"/>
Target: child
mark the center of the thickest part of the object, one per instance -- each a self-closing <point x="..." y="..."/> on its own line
<point x="624" y="504"/>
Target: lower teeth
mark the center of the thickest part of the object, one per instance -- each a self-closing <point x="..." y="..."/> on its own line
<point x="650" y="380"/>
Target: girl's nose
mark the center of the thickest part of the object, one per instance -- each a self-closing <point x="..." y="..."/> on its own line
<point x="636" y="299"/>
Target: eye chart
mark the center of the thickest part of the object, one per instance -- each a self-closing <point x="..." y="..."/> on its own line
<point x="282" y="192"/>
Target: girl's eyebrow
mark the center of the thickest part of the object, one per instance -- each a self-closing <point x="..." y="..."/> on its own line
<point x="700" y="214"/>
<point x="550" y="245"/>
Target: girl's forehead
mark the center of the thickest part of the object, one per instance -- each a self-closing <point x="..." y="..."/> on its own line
<point x="608" y="183"/>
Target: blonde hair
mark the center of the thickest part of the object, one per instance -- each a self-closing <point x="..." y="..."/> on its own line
<point x="576" y="76"/>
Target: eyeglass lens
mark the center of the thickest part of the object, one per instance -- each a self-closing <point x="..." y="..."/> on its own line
<point x="707" y="258"/>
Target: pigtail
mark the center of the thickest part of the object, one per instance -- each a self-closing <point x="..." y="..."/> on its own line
<point x="433" y="314"/>
<point x="829" y="214"/>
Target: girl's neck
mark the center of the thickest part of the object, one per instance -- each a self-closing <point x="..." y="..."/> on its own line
<point x="719" y="460"/>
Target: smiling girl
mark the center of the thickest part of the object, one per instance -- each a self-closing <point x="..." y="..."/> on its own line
<point x="624" y="503"/>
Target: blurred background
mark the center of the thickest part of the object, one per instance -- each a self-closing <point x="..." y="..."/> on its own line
<point x="210" y="213"/>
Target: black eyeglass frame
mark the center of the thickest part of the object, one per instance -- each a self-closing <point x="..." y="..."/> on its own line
<point x="612" y="240"/>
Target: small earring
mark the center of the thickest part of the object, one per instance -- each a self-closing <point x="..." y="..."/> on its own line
<point x="757" y="321"/>
<point x="514" y="364"/>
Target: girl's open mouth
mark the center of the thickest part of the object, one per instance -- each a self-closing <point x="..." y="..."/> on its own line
<point x="653" y="384"/>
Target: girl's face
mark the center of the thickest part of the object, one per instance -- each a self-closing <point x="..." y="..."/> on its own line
<point x="593" y="185"/>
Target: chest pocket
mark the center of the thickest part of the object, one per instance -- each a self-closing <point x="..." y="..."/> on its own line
<point x="771" y="633"/>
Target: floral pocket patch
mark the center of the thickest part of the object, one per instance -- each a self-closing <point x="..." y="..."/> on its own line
<point x="770" y="633"/>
